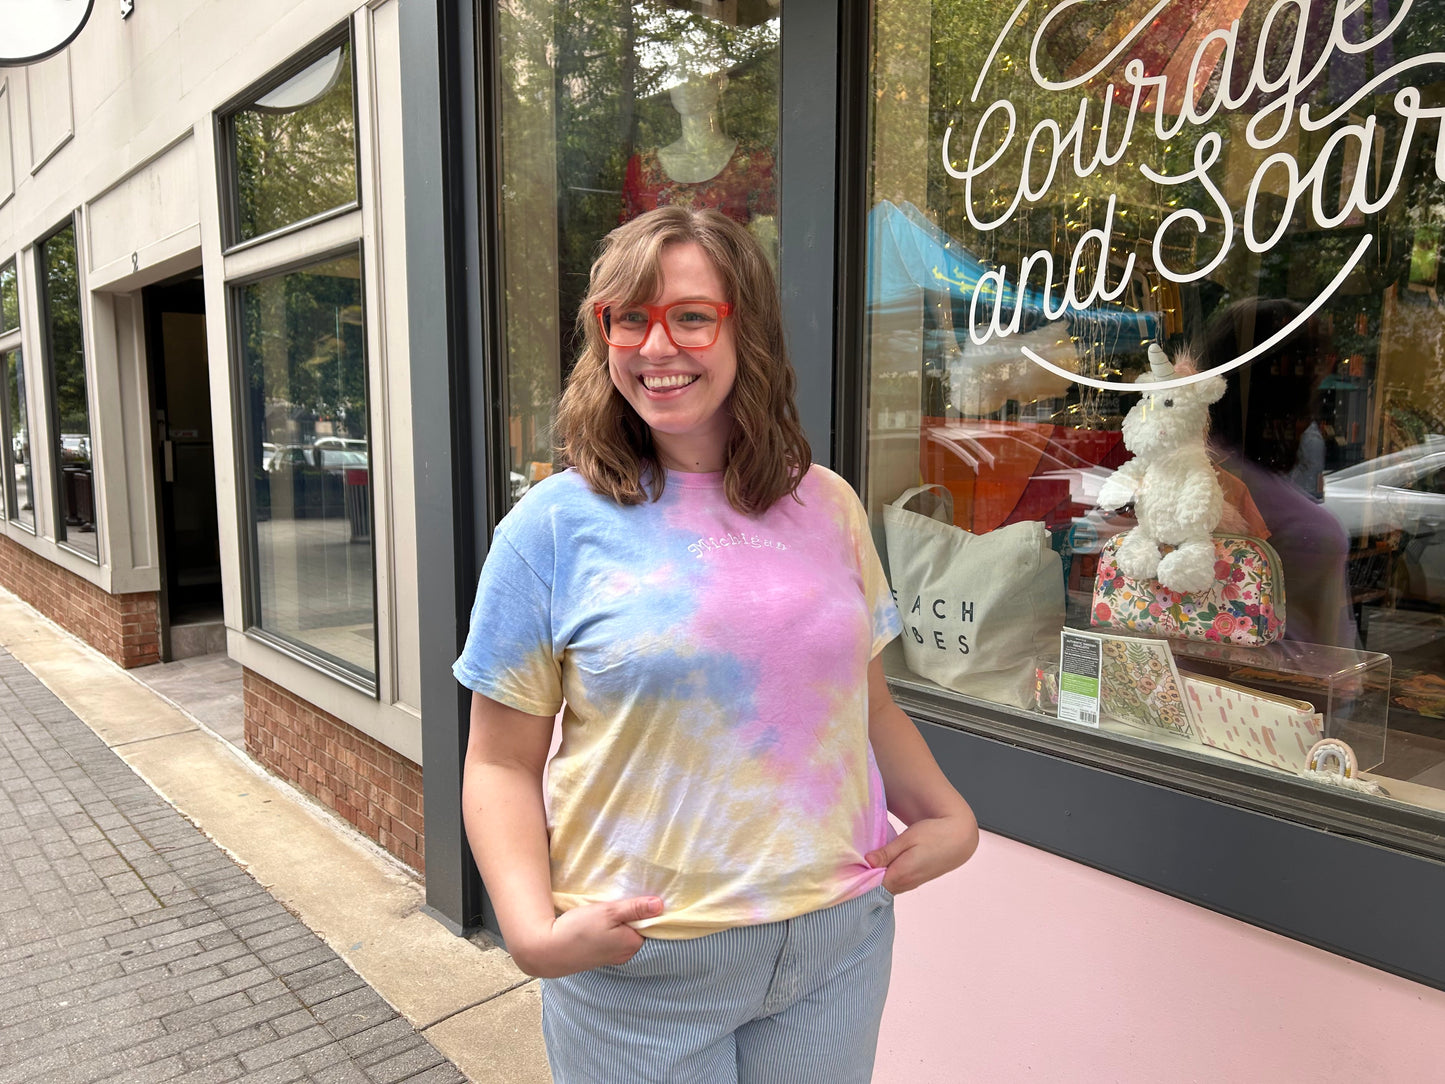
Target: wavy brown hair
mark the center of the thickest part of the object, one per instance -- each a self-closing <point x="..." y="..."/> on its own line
<point x="597" y="430"/>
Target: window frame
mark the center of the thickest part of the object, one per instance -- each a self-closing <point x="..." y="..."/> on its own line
<point x="337" y="231"/>
<point x="12" y="339"/>
<point x="249" y="545"/>
<point x="7" y="451"/>
<point x="224" y="125"/>
<point x="50" y="393"/>
<point x="14" y="264"/>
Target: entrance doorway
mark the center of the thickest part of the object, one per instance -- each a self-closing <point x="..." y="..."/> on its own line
<point x="190" y="545"/>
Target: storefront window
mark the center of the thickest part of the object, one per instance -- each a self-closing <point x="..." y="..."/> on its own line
<point x="9" y="298"/>
<point x="70" y="401"/>
<point x="293" y="148"/>
<point x="16" y="435"/>
<point x="21" y="501"/>
<point x="608" y="109"/>
<point x="303" y="366"/>
<point x="1243" y="199"/>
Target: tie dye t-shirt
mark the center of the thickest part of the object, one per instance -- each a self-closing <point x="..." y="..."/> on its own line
<point x="713" y="667"/>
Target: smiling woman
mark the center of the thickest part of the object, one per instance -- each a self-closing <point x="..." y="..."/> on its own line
<point x="680" y="389"/>
<point x="614" y="592"/>
<point x="632" y="412"/>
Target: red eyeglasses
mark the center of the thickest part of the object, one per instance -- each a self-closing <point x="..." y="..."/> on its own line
<point x="687" y="324"/>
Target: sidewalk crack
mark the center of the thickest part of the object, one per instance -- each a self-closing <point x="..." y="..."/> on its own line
<point x="468" y="1008"/>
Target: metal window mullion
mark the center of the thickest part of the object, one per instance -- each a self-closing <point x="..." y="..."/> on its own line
<point x="366" y="122"/>
<point x="295" y="250"/>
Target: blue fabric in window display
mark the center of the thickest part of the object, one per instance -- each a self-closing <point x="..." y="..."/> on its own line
<point x="910" y="259"/>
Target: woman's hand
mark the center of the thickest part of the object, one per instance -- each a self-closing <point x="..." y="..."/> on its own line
<point x="942" y="833"/>
<point x="926" y="849"/>
<point x="588" y="936"/>
<point x="507" y="825"/>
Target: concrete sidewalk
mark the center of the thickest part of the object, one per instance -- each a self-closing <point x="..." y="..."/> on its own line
<point x="285" y="947"/>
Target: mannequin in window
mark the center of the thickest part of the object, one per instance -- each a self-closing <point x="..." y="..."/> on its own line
<point x="705" y="167"/>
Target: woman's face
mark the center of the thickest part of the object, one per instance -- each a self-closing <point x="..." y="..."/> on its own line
<point x="682" y="394"/>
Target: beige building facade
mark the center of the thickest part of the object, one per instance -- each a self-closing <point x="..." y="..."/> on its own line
<point x="209" y="411"/>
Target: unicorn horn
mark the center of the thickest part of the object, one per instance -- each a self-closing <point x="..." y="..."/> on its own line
<point x="1159" y="363"/>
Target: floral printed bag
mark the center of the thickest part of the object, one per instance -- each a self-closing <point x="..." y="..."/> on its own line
<point x="1244" y="605"/>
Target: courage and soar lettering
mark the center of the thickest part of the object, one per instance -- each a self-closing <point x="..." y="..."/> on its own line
<point x="1049" y="142"/>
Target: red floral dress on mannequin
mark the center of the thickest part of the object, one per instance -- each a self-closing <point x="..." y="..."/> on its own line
<point x="742" y="189"/>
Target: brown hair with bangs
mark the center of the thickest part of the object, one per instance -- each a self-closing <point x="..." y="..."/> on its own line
<point x="609" y="444"/>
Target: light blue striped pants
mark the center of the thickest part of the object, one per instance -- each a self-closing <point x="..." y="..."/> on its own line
<point x="792" y="1002"/>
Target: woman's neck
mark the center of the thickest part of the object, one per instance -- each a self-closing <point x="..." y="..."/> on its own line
<point x="692" y="454"/>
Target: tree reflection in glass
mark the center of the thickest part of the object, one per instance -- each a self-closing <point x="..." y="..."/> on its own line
<point x="71" y="406"/>
<point x="584" y="99"/>
<point x="21" y="506"/>
<point x="9" y="298"/>
<point x="295" y="148"/>
<point x="304" y="358"/>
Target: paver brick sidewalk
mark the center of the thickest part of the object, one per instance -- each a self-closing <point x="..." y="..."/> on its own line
<point x="133" y="949"/>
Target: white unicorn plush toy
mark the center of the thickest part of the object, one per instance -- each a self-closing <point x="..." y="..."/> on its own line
<point x="1177" y="499"/>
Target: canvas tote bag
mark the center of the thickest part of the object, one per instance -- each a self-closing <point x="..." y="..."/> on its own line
<point x="980" y="611"/>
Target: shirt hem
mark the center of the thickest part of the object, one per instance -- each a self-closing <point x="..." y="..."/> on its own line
<point x="664" y="928"/>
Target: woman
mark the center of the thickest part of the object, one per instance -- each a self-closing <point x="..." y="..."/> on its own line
<point x="1265" y="433"/>
<point x="709" y="894"/>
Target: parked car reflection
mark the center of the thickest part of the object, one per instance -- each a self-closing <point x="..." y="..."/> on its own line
<point x="329" y="454"/>
<point x="309" y="481"/>
<point x="1399" y="498"/>
<point x="74" y="448"/>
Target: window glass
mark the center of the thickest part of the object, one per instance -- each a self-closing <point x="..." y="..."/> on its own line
<point x="1250" y="187"/>
<point x="9" y="298"/>
<point x="294" y="147"/>
<point x="303" y="363"/>
<point x="70" y="406"/>
<point x="21" y="506"/>
<point x="606" y="110"/>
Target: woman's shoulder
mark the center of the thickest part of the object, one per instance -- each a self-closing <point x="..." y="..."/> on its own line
<point x="545" y="492"/>
<point x="559" y="497"/>
<point x="828" y="484"/>
<point x="827" y="495"/>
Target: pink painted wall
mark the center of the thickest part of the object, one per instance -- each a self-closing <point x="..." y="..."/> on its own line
<point x="1026" y="966"/>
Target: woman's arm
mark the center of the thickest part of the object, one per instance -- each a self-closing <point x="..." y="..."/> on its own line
<point x="507" y="828"/>
<point x="942" y="833"/>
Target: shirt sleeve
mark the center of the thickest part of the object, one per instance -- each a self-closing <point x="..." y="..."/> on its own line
<point x="876" y="591"/>
<point x="509" y="654"/>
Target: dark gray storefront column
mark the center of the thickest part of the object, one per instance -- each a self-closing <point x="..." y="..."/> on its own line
<point x="807" y="201"/>
<point x="449" y="417"/>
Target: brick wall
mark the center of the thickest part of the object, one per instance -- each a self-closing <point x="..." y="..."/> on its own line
<point x="374" y="788"/>
<point x="125" y="628"/>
